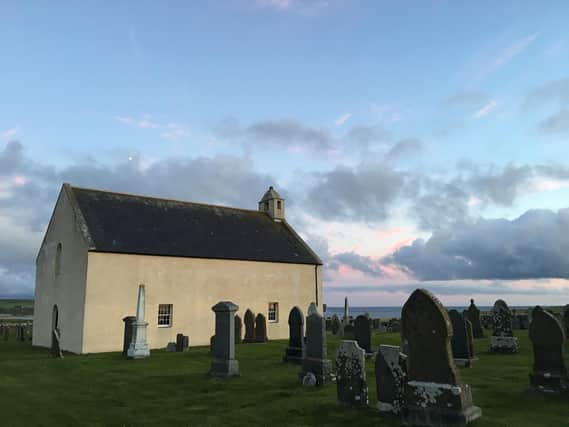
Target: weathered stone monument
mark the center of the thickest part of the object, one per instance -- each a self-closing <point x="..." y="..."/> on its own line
<point x="470" y="338"/>
<point x="434" y="394"/>
<point x="346" y="316"/>
<point x="295" y="350"/>
<point x="549" y="373"/>
<point x="182" y="343"/>
<point x="138" y="348"/>
<point x="128" y="327"/>
<point x="336" y="324"/>
<point x="223" y="362"/>
<point x="249" y="321"/>
<point x="502" y="340"/>
<point x="314" y="361"/>
<point x="390" y="377"/>
<point x="351" y="380"/>
<point x="238" y="329"/>
<point x="460" y="343"/>
<point x="261" y="328"/>
<point x="362" y="333"/>
<point x="473" y="314"/>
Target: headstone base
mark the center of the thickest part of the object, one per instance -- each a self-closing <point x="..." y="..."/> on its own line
<point x="549" y="383"/>
<point x="504" y="345"/>
<point x="224" y="368"/>
<point x="293" y="355"/>
<point x="320" y="368"/>
<point x="432" y="404"/>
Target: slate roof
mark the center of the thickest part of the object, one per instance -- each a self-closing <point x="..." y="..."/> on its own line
<point x="125" y="223"/>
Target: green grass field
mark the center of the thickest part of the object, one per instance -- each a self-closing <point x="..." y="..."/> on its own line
<point x="17" y="306"/>
<point x="173" y="389"/>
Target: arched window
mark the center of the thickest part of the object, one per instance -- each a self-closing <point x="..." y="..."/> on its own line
<point x="58" y="260"/>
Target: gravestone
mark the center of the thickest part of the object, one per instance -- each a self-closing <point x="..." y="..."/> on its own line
<point x="351" y="381"/>
<point x="261" y="328"/>
<point x="473" y="314"/>
<point x="171" y="347"/>
<point x="138" y="348"/>
<point x="238" y="329"/>
<point x="249" y="321"/>
<point x="223" y="362"/>
<point x="128" y="327"/>
<point x="459" y="342"/>
<point x="549" y="373"/>
<point x="390" y="378"/>
<point x="55" y="350"/>
<point x="470" y="337"/>
<point x="502" y="340"/>
<point x="182" y="343"/>
<point x="346" y="317"/>
<point x="362" y="333"/>
<point x="336" y="324"/>
<point x="434" y="394"/>
<point x="349" y="332"/>
<point x="566" y="319"/>
<point x="314" y="360"/>
<point x="295" y="350"/>
<point x="211" y="343"/>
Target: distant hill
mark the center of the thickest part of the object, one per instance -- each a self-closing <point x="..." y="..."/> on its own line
<point x="17" y="307"/>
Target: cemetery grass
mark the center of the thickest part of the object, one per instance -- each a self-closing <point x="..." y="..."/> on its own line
<point x="173" y="389"/>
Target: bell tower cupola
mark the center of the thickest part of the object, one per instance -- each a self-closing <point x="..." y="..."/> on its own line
<point x="273" y="204"/>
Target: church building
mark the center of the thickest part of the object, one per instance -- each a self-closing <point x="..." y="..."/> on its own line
<point x="100" y="246"/>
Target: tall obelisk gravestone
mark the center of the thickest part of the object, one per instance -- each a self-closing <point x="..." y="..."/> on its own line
<point x="138" y="348"/>
<point x="224" y="363"/>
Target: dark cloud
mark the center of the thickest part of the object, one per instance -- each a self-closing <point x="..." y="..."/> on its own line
<point x="535" y="245"/>
<point x="358" y="262"/>
<point x="365" y="137"/>
<point x="361" y="194"/>
<point x="558" y="123"/>
<point x="405" y="147"/>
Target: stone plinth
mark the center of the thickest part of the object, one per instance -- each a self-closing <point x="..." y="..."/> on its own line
<point x="224" y="363"/>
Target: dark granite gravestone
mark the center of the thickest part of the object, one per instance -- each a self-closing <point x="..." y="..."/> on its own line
<point x="211" y="343"/>
<point x="295" y="350"/>
<point x="351" y="380"/>
<point x="249" y="321"/>
<point x="171" y="347"/>
<point x="362" y="333"/>
<point x="223" y="362"/>
<point x="314" y="360"/>
<point x="470" y="337"/>
<point x="434" y="394"/>
<point x="261" y="328"/>
<point x="336" y="324"/>
<point x="473" y="314"/>
<point x="390" y="377"/>
<point x="55" y="350"/>
<point x="566" y="319"/>
<point x="459" y="342"/>
<point x="182" y="343"/>
<point x="349" y="332"/>
<point x="502" y="340"/>
<point x="238" y="329"/>
<point x="549" y="373"/>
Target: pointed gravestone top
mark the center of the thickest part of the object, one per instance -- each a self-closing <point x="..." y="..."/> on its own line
<point x="312" y="309"/>
<point x="427" y="330"/>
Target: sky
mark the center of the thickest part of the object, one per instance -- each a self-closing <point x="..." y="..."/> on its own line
<point x="417" y="144"/>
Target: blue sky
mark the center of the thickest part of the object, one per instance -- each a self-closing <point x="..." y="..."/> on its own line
<point x="381" y="122"/>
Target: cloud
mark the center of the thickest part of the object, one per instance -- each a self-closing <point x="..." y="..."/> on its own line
<point x="357" y="262"/>
<point x="10" y="133"/>
<point x="366" y="137"/>
<point x="505" y="55"/>
<point x="171" y="131"/>
<point x="342" y="119"/>
<point x="405" y="147"/>
<point x="484" y="110"/>
<point x="28" y="191"/>
<point x="469" y="98"/>
<point x="554" y="91"/>
<point x="535" y="245"/>
<point x="558" y="123"/>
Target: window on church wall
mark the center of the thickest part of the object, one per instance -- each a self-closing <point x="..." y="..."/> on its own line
<point x="58" y="260"/>
<point x="164" y="315"/>
<point x="273" y="312"/>
<point x="278" y="204"/>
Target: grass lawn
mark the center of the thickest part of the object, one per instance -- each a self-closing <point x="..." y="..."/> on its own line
<point x="173" y="389"/>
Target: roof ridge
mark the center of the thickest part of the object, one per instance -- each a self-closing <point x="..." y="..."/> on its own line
<point x="141" y="196"/>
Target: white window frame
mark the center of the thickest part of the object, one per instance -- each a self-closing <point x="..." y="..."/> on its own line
<point x="275" y="311"/>
<point x="165" y="312"/>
